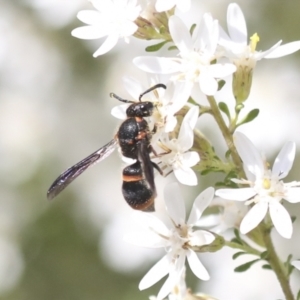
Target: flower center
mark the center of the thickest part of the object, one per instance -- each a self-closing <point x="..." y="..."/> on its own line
<point x="269" y="189"/>
<point x="191" y="66"/>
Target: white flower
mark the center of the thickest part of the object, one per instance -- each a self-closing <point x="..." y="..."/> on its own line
<point x="176" y="240"/>
<point x="163" y="5"/>
<point x="179" y="291"/>
<point x="229" y="215"/>
<point x="296" y="264"/>
<point x="236" y="43"/>
<point x="114" y="19"/>
<point x="166" y="101"/>
<point x="178" y="156"/>
<point x="196" y="54"/>
<point x="266" y="189"/>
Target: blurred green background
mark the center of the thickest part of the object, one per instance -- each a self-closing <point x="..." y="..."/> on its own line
<point x="55" y="110"/>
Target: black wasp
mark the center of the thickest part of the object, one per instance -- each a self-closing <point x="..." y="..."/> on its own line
<point x="134" y="138"/>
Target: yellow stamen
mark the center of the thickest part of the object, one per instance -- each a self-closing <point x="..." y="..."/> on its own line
<point x="254" y="40"/>
<point x="266" y="184"/>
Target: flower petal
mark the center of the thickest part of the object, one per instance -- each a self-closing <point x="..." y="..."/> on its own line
<point x="200" y="204"/>
<point x="156" y="273"/>
<point x="174" y="202"/>
<point x="89" y="17"/>
<point x="236" y="24"/>
<point x="167" y="287"/>
<point x="164" y="5"/>
<point x="89" y="32"/>
<point x="191" y="116"/>
<point x="254" y="216"/>
<point x="264" y="54"/>
<point x="201" y="237"/>
<point x="281" y="220"/>
<point x="185" y="137"/>
<point x="180" y="34"/>
<point x="284" y="160"/>
<point x="108" y="44"/>
<point x="190" y="158"/>
<point x="250" y="156"/>
<point x="196" y="266"/>
<point x="292" y="194"/>
<point x="283" y="50"/>
<point x="133" y="87"/>
<point x="296" y="264"/>
<point x="186" y="176"/>
<point x="208" y="83"/>
<point x="150" y="221"/>
<point x="160" y="65"/>
<point x="241" y="194"/>
<point x="222" y="70"/>
<point x="119" y="111"/>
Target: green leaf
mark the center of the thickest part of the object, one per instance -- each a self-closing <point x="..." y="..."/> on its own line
<point x="236" y="255"/>
<point x="192" y="28"/>
<point x="264" y="255"/>
<point x="221" y="83"/>
<point x="224" y="108"/>
<point x="237" y="241"/>
<point x="298" y="296"/>
<point x="172" y="48"/>
<point x="293" y="218"/>
<point x="246" y="266"/>
<point x="250" y="117"/>
<point x="267" y="267"/>
<point x="156" y="47"/>
<point x="236" y="233"/>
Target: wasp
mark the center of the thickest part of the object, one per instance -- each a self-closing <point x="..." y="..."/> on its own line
<point x="134" y="139"/>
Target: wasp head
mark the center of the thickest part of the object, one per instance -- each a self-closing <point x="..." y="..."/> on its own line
<point x="140" y="109"/>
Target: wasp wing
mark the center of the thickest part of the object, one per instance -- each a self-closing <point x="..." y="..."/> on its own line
<point x="147" y="165"/>
<point x="73" y="172"/>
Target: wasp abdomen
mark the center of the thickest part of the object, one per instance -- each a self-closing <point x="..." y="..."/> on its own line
<point x="136" y="190"/>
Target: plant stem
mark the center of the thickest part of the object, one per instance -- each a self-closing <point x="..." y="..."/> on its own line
<point x="245" y="248"/>
<point x="226" y="134"/>
<point x="275" y="263"/>
<point x="265" y="232"/>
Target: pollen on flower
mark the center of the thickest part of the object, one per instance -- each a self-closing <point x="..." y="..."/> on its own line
<point x="254" y="40"/>
<point x="266" y="183"/>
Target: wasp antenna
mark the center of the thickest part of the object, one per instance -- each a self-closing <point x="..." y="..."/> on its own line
<point x="113" y="95"/>
<point x="159" y="85"/>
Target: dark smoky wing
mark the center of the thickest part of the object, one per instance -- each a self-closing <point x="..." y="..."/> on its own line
<point x="73" y="172"/>
<point x="144" y="158"/>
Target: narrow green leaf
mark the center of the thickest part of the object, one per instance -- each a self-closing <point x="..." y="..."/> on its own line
<point x="237" y="233"/>
<point x="264" y="255"/>
<point x="236" y="255"/>
<point x="221" y="83"/>
<point x="237" y="241"/>
<point x="172" y="48"/>
<point x="298" y="295"/>
<point x="267" y="267"/>
<point x="192" y="28"/>
<point x="250" y="117"/>
<point x="246" y="266"/>
<point x="224" y="108"/>
<point x="293" y="218"/>
<point x="156" y="47"/>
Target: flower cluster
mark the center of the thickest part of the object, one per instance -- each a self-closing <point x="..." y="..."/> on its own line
<point x="204" y="57"/>
<point x="178" y="239"/>
<point x="266" y="189"/>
